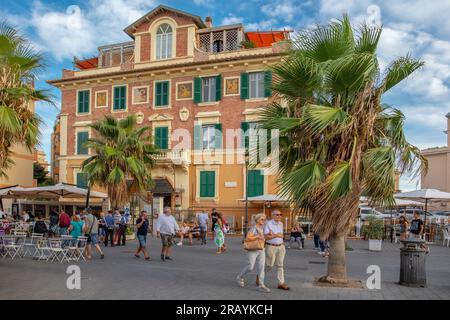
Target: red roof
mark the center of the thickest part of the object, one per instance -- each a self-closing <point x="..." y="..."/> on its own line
<point x="87" y="64"/>
<point x="266" y="38"/>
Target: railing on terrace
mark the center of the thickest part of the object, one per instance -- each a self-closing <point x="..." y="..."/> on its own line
<point x="115" y="54"/>
<point x="176" y="156"/>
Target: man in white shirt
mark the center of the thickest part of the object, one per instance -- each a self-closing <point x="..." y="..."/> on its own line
<point x="203" y="224"/>
<point x="166" y="228"/>
<point x="275" y="250"/>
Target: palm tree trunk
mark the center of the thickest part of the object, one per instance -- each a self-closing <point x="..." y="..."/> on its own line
<point x="337" y="269"/>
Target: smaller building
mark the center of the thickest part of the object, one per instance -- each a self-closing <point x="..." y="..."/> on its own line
<point x="54" y="149"/>
<point x="438" y="175"/>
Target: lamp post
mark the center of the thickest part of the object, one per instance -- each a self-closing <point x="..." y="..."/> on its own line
<point x="246" y="194"/>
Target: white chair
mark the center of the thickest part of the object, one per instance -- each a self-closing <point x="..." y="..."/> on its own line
<point x="80" y="251"/>
<point x="446" y="237"/>
<point x="43" y="251"/>
<point x="57" y="250"/>
<point x="11" y="247"/>
<point x="72" y="250"/>
<point x="30" y="246"/>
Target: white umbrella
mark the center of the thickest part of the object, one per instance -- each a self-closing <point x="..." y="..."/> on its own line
<point x="425" y="195"/>
<point x="60" y="190"/>
<point x="266" y="198"/>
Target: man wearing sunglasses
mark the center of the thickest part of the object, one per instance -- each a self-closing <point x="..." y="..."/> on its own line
<point x="275" y="250"/>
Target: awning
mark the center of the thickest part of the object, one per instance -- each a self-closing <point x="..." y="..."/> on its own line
<point x="162" y="187"/>
<point x="266" y="198"/>
<point x="50" y="192"/>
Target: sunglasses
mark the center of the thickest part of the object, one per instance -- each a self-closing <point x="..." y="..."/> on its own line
<point x="277" y="214"/>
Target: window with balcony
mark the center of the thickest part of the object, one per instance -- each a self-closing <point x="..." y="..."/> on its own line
<point x="164" y="42"/>
<point x="162" y="137"/>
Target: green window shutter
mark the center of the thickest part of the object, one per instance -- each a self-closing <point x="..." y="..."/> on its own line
<point x="218" y="87"/>
<point x="162" y="137"/>
<point x="82" y="180"/>
<point x="268" y="84"/>
<point x="255" y="183"/>
<point x="82" y="137"/>
<point x="158" y="94"/>
<point x="218" y="135"/>
<point x="120" y="98"/>
<point x="197" y="137"/>
<point x="244" y="86"/>
<point x="165" y="93"/>
<point x="83" y="101"/>
<point x="197" y="90"/>
<point x="244" y="137"/>
<point x="207" y="184"/>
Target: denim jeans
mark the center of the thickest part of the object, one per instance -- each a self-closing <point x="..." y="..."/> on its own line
<point x="258" y="258"/>
<point x="62" y="230"/>
<point x="299" y="240"/>
<point x="316" y="241"/>
<point x="323" y="245"/>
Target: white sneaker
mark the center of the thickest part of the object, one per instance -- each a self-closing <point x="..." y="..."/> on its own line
<point x="321" y="252"/>
<point x="288" y="247"/>
<point x="263" y="288"/>
<point x="240" y="281"/>
<point x="179" y="243"/>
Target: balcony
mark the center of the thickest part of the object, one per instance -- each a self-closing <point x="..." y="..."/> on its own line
<point x="176" y="157"/>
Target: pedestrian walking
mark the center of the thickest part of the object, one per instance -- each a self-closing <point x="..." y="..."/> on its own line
<point x="109" y="228"/>
<point x="417" y="230"/>
<point x="404" y="226"/>
<point x="213" y="218"/>
<point x="117" y="217"/>
<point x="142" y="224"/>
<point x="219" y="236"/>
<point x="91" y="232"/>
<point x="53" y="226"/>
<point x="255" y="253"/>
<point x="275" y="250"/>
<point x="203" y="224"/>
<point x="122" y="230"/>
<point x="166" y="229"/>
<point x="64" y="223"/>
<point x="76" y="228"/>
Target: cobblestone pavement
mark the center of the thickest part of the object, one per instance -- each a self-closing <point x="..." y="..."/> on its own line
<point x="198" y="273"/>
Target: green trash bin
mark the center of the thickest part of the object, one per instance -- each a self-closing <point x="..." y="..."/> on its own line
<point x="412" y="263"/>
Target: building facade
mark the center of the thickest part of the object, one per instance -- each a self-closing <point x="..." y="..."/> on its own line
<point x="192" y="83"/>
<point x="438" y="175"/>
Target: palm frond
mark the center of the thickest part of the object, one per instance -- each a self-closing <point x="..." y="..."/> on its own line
<point x="399" y="70"/>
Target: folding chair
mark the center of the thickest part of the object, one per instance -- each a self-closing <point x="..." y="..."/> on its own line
<point x="66" y="240"/>
<point x="82" y="242"/>
<point x="72" y="250"/>
<point x="29" y="246"/>
<point x="43" y="251"/>
<point x="11" y="246"/>
<point x="59" y="253"/>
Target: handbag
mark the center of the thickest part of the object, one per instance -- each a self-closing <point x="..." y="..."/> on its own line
<point x="88" y="235"/>
<point x="254" y="245"/>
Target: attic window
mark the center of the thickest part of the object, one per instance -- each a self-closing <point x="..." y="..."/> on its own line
<point x="218" y="46"/>
<point x="164" y="42"/>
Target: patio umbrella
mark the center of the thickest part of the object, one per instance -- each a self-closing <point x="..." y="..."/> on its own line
<point x="425" y="195"/>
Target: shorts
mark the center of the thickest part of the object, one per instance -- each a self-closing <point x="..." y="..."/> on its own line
<point x="167" y="240"/>
<point x="93" y="239"/>
<point x="142" y="240"/>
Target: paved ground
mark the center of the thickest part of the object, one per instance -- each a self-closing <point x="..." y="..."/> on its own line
<point x="198" y="273"/>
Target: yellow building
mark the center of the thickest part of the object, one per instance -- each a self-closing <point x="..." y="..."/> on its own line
<point x="192" y="83"/>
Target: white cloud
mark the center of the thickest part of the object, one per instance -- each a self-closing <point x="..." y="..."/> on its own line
<point x="262" y="25"/>
<point x="431" y="116"/>
<point x="232" y="19"/>
<point x="283" y="9"/>
<point x="80" y="30"/>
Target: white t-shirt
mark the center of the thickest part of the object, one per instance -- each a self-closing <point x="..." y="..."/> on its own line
<point x="203" y="219"/>
<point x="275" y="227"/>
<point x="167" y="224"/>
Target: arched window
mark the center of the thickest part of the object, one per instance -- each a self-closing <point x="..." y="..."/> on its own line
<point x="164" y="42"/>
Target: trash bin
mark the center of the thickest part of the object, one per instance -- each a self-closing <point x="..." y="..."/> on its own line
<point x="412" y="263"/>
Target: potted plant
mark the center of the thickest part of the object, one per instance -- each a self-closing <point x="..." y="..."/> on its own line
<point x="374" y="232"/>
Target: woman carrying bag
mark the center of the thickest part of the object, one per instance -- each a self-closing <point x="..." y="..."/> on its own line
<point x="254" y="244"/>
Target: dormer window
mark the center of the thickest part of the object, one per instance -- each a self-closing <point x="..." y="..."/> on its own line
<point x="164" y="42"/>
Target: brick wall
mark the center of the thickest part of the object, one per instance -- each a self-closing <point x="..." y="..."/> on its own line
<point x="145" y="47"/>
<point x="182" y="38"/>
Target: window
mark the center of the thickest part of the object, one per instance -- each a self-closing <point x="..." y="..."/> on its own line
<point x="82" y="137"/>
<point x="256" y="80"/>
<point x="120" y="98"/>
<point x="209" y="89"/>
<point x="207" y="184"/>
<point x="208" y="137"/>
<point x="82" y="180"/>
<point x="217" y="46"/>
<point x="83" y="101"/>
<point x="162" y="94"/>
<point x="162" y="137"/>
<point x="255" y="185"/>
<point x="164" y="42"/>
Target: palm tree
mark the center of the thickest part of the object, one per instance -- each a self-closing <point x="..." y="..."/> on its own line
<point x="19" y="66"/>
<point x="123" y="158"/>
<point x="337" y="139"/>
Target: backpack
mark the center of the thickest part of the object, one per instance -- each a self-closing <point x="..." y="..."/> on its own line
<point x="40" y="227"/>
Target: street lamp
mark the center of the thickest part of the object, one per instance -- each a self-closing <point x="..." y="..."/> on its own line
<point x="246" y="193"/>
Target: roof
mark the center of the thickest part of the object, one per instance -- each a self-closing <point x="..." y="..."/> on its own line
<point x="91" y="63"/>
<point x="266" y="38"/>
<point x="162" y="186"/>
<point x="129" y="30"/>
<point x="225" y="27"/>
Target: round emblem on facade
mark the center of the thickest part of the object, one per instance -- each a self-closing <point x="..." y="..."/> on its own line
<point x="184" y="114"/>
<point x="139" y="118"/>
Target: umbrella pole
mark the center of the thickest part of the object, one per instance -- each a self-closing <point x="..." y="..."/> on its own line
<point x="1" y="204"/>
<point x="425" y="220"/>
<point x="88" y="195"/>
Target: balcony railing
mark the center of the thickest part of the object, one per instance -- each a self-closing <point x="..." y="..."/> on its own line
<point x="178" y="157"/>
<point x="115" y="55"/>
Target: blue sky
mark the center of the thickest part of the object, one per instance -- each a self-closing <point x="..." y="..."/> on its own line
<point x="62" y="29"/>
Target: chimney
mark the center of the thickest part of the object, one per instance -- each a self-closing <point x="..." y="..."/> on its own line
<point x="208" y="22"/>
<point x="448" y="129"/>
